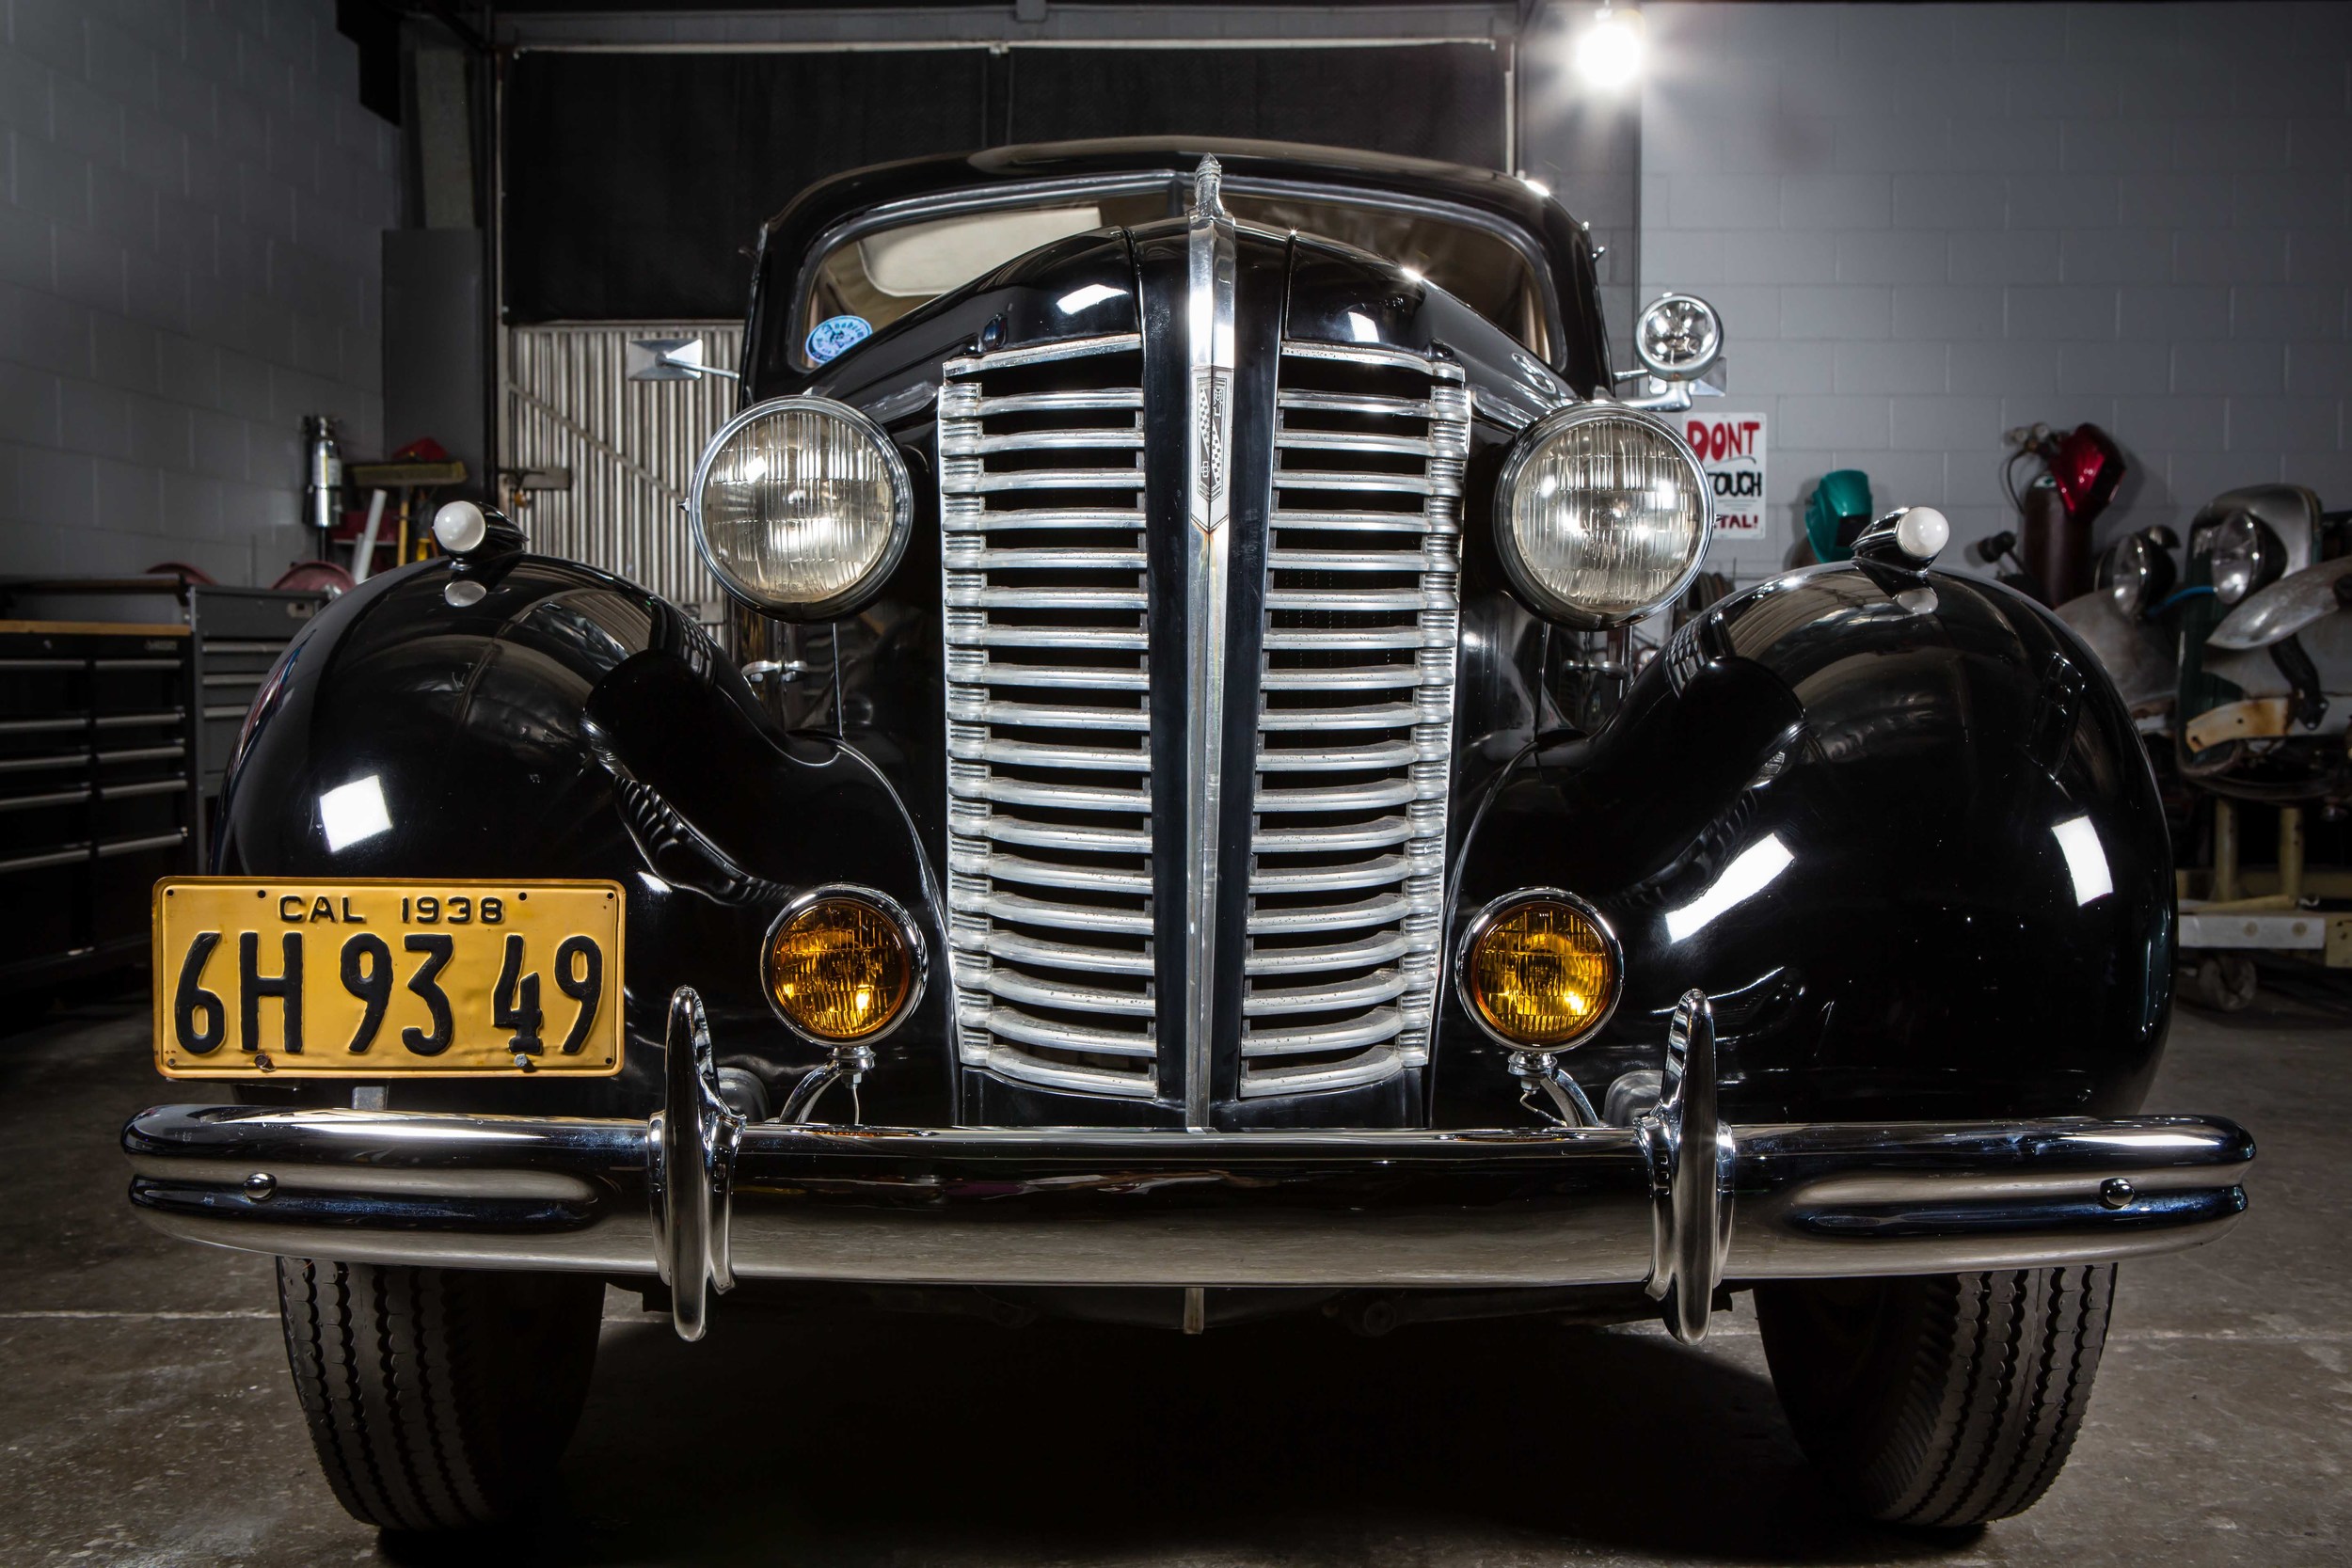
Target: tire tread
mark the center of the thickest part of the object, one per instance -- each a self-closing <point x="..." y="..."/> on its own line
<point x="1959" y="1400"/>
<point x="434" y="1396"/>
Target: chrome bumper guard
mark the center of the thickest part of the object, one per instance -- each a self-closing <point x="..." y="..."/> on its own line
<point x="1679" y="1202"/>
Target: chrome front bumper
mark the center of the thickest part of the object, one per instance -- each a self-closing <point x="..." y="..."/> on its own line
<point x="1680" y="1202"/>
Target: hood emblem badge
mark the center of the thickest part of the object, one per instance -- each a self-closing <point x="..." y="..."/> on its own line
<point x="1209" y="322"/>
<point x="1211" y="390"/>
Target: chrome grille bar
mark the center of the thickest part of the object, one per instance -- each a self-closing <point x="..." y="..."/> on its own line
<point x="1049" y="715"/>
<point x="1362" y="555"/>
<point x="1211" y="264"/>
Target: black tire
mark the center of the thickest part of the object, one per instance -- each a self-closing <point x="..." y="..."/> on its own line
<point x="438" y="1399"/>
<point x="1945" y="1401"/>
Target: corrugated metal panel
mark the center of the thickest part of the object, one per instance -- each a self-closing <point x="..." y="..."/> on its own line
<point x="630" y="447"/>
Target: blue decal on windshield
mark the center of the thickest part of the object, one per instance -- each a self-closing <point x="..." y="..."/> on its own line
<point x="833" y="336"/>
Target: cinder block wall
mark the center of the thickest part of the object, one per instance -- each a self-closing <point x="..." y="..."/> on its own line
<point x="1926" y="224"/>
<point x="188" y="264"/>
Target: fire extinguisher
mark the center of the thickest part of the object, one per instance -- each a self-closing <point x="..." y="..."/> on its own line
<point x="326" y="476"/>
<point x="2081" y="469"/>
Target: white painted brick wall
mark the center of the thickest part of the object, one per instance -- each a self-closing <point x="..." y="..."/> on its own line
<point x="190" y="203"/>
<point x="1927" y="222"/>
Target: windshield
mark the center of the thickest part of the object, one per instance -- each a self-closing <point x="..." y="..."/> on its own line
<point x="883" y="273"/>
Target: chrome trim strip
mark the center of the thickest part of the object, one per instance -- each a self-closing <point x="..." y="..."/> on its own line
<point x="1208" y="569"/>
<point x="1081" y="439"/>
<point x="1039" y="403"/>
<point x="1379" y="355"/>
<point x="1061" y="516"/>
<point x="1063" y="348"/>
<point x="286" y="1181"/>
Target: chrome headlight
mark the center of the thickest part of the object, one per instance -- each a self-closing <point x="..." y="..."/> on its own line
<point x="1602" y="516"/>
<point x="2243" y="558"/>
<point x="801" y="506"/>
<point x="2135" y="573"/>
<point x="1678" y="337"/>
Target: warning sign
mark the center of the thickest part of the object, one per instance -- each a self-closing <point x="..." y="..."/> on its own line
<point x="1730" y="449"/>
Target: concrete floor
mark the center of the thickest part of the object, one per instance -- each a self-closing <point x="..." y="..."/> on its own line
<point x="146" y="1417"/>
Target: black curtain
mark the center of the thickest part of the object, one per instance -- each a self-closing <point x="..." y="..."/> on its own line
<point x="635" y="184"/>
<point x="1429" y="101"/>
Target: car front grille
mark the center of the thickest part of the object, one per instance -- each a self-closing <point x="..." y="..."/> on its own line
<point x="1049" y="717"/>
<point x="1355" y="718"/>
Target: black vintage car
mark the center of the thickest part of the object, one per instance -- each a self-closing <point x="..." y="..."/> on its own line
<point x="1164" y="845"/>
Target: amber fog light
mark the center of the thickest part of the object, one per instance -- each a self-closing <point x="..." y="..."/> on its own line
<point x="1539" y="968"/>
<point x="842" y="965"/>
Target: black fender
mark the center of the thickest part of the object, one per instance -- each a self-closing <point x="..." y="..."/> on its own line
<point x="564" y="723"/>
<point x="1901" y="829"/>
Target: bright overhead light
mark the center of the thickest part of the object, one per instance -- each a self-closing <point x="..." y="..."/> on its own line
<point x="1609" y="52"/>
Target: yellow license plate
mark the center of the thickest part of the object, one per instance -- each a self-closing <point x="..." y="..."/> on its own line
<point x="377" y="979"/>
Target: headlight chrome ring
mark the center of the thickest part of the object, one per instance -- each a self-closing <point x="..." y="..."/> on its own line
<point x="1586" y="932"/>
<point x="1571" y="604"/>
<point x="1678" y="337"/>
<point x="2241" y="556"/>
<point x="757" y="567"/>
<point x="902" y="973"/>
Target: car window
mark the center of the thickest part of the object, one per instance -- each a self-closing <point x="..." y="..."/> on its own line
<point x="882" y="274"/>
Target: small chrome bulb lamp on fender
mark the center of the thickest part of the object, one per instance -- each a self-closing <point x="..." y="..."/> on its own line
<point x="474" y="533"/>
<point x="1909" y="539"/>
<point x="471" y="535"/>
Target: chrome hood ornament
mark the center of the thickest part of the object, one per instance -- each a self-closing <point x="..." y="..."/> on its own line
<point x="1210" y="330"/>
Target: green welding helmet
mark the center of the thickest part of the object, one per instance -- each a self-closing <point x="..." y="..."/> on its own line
<point x="1839" y="512"/>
